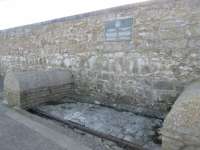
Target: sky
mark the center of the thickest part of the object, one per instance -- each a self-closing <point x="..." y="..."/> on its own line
<point x="15" y="13"/>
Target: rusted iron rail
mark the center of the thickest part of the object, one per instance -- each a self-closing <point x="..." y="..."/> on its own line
<point x="121" y="142"/>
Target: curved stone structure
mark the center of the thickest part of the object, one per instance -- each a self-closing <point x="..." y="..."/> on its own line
<point x="26" y="89"/>
<point x="181" y="130"/>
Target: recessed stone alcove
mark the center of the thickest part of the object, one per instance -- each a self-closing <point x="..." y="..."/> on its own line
<point x="50" y="92"/>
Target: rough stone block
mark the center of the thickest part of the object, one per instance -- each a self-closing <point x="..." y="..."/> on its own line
<point x="181" y="128"/>
<point x="27" y="89"/>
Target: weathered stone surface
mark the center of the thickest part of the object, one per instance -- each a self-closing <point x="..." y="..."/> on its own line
<point x="164" y="48"/>
<point x="181" y="129"/>
<point x="27" y="89"/>
<point x="123" y="125"/>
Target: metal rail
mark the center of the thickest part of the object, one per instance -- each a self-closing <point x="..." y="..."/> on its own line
<point x="123" y="143"/>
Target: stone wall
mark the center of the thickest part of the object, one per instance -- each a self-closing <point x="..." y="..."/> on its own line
<point x="148" y="71"/>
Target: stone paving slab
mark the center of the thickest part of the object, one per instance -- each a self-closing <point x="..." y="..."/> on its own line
<point x="17" y="132"/>
<point x="15" y="136"/>
<point x="123" y="125"/>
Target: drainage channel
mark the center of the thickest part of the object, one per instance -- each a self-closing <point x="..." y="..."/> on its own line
<point x="95" y="120"/>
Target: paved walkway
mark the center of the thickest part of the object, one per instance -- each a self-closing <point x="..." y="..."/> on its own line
<point x="18" y="132"/>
